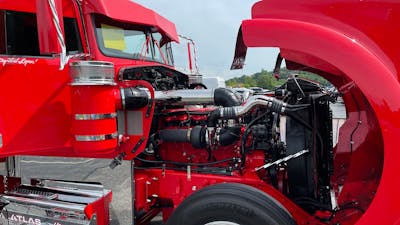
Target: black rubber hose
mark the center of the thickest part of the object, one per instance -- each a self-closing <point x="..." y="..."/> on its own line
<point x="198" y="137"/>
<point x="186" y="164"/>
<point x="213" y="118"/>
<point x="195" y="136"/>
<point x="134" y="98"/>
<point x="225" y="97"/>
<point x="229" y="135"/>
<point x="174" y="135"/>
<point x="229" y="113"/>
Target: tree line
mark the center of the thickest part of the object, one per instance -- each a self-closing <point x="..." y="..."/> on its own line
<point x="265" y="79"/>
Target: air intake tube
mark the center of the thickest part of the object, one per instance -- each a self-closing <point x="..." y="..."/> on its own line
<point x="233" y="112"/>
<point x="225" y="97"/>
<point x="220" y="96"/>
<point x="195" y="136"/>
<point x="133" y="98"/>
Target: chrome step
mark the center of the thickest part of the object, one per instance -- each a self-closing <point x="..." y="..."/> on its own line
<point x="51" y="202"/>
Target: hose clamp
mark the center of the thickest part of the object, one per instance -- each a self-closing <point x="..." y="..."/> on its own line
<point x="284" y="105"/>
<point x="189" y="132"/>
<point x="221" y="112"/>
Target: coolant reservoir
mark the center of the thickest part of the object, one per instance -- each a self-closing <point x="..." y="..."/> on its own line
<point x="94" y="114"/>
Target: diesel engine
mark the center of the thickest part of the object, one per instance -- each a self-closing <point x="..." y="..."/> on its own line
<point x="283" y="137"/>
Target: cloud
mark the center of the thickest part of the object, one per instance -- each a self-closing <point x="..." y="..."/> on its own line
<point x="213" y="25"/>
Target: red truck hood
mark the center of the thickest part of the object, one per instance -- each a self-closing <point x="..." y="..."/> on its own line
<point x="373" y="27"/>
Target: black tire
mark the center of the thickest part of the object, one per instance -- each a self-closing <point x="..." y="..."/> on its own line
<point x="230" y="202"/>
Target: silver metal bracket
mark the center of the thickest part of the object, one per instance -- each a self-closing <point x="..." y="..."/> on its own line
<point x="279" y="161"/>
<point x="133" y="191"/>
<point x="13" y="166"/>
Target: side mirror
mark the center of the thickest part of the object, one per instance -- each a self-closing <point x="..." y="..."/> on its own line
<point x="47" y="30"/>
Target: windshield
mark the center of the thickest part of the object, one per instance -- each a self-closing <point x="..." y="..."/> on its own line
<point x="131" y="41"/>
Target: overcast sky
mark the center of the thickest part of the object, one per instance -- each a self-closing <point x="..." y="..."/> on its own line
<point x="213" y="25"/>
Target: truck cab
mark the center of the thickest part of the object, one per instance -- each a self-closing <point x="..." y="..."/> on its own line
<point x="77" y="80"/>
<point x="45" y="47"/>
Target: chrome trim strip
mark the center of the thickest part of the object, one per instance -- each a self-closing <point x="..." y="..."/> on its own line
<point x="70" y="187"/>
<point x="101" y="137"/>
<point x="94" y="83"/>
<point x="121" y="91"/>
<point x="99" y="116"/>
<point x="46" y="203"/>
<point x="221" y="223"/>
<point x="1" y="140"/>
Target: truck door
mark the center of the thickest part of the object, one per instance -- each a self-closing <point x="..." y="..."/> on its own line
<point x="34" y="94"/>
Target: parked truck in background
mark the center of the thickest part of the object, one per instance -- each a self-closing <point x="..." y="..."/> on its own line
<point x="98" y="81"/>
<point x="214" y="82"/>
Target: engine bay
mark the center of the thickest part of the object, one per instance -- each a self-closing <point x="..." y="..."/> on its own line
<point x="284" y="138"/>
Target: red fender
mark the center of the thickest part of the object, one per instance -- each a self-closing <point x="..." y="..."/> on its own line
<point x="374" y="78"/>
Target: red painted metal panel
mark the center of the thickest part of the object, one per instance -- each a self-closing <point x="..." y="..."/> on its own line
<point x="37" y="113"/>
<point x="372" y="23"/>
<point x="94" y="100"/>
<point x="38" y="118"/>
<point x="31" y="5"/>
<point x="128" y="11"/>
<point x="356" y="60"/>
<point x="46" y="29"/>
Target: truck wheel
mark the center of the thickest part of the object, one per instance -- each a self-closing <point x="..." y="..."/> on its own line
<point x="230" y="204"/>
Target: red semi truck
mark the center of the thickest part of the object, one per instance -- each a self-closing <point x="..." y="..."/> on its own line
<point x="95" y="78"/>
